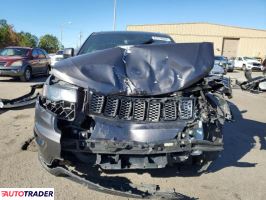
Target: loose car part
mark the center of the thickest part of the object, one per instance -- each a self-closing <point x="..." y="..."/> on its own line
<point x="24" y="100"/>
<point x="255" y="85"/>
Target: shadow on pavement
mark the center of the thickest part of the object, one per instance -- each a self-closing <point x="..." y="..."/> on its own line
<point x="239" y="139"/>
<point x="38" y="79"/>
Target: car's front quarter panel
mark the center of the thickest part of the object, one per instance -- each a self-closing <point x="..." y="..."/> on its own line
<point x="47" y="135"/>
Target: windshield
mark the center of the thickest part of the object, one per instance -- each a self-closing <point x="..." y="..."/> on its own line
<point x="104" y="41"/>
<point x="14" y="52"/>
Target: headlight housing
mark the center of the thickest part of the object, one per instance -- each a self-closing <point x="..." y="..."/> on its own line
<point x="18" y="63"/>
<point x="59" y="98"/>
<point x="58" y="92"/>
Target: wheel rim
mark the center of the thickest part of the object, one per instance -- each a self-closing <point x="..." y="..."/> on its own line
<point x="27" y="74"/>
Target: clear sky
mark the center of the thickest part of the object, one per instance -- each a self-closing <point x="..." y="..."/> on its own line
<point x="47" y="16"/>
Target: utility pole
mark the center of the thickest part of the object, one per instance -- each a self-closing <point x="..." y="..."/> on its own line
<point x="80" y="38"/>
<point x="61" y="28"/>
<point x="61" y="37"/>
<point x="114" y="20"/>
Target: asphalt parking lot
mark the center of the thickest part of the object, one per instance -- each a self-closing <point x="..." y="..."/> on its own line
<point x="238" y="174"/>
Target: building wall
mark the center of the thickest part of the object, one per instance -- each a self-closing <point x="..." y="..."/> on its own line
<point x="252" y="42"/>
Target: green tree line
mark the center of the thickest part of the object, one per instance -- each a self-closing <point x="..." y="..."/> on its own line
<point x="9" y="37"/>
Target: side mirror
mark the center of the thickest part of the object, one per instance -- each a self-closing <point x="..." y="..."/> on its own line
<point x="68" y="52"/>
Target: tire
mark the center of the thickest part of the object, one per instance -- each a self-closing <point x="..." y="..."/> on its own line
<point x="225" y="71"/>
<point x="27" y="75"/>
<point x="47" y="73"/>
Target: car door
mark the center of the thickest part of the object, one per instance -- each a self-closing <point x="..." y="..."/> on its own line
<point x="43" y="61"/>
<point x="48" y="59"/>
<point x="35" y="63"/>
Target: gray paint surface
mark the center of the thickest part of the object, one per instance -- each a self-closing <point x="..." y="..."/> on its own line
<point x="139" y="70"/>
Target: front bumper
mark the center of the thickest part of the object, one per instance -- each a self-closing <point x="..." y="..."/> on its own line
<point x="252" y="67"/>
<point x="112" y="153"/>
<point x="11" y="71"/>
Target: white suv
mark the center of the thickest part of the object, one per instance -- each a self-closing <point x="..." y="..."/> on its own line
<point x="247" y="63"/>
<point x="56" y="57"/>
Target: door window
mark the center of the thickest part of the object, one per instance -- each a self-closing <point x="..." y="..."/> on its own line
<point x="35" y="53"/>
<point x="41" y="54"/>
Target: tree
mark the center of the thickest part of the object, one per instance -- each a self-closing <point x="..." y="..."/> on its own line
<point x="27" y="39"/>
<point x="50" y="43"/>
<point x="8" y="37"/>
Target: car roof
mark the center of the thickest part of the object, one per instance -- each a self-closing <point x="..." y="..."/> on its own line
<point x="17" y="47"/>
<point x="131" y="33"/>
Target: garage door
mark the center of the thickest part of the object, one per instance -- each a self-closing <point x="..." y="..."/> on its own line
<point x="230" y="46"/>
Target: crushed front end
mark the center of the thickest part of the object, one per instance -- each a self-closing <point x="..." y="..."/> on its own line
<point x="120" y="120"/>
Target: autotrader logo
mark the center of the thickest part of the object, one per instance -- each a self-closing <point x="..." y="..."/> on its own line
<point x="27" y="193"/>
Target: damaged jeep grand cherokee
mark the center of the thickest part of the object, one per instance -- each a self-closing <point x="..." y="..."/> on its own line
<point x="132" y="100"/>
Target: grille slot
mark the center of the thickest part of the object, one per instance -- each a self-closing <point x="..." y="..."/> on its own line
<point x="185" y="108"/>
<point x="170" y="111"/>
<point x="125" y="109"/>
<point x="111" y="107"/>
<point x="139" y="110"/>
<point x="154" y="111"/>
<point x="97" y="102"/>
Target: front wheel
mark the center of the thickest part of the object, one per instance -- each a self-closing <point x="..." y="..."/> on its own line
<point x="47" y="72"/>
<point x="225" y="71"/>
<point x="27" y="75"/>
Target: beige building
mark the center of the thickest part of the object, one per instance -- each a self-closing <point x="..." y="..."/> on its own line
<point x="229" y="41"/>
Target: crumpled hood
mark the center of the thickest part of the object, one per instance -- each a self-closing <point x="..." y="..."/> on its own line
<point x="139" y="70"/>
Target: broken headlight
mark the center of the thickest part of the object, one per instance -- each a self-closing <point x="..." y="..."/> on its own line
<point x="59" y="98"/>
<point x="58" y="92"/>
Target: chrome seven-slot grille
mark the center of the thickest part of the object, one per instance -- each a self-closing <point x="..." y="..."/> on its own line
<point x="142" y="108"/>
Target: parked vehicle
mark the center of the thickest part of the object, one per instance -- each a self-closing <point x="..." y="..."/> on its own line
<point x="258" y="59"/>
<point x="224" y="62"/>
<point x="230" y="65"/>
<point x="217" y="70"/>
<point x="131" y="100"/>
<point x="56" y="57"/>
<point x="24" y="62"/>
<point x="247" y="63"/>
